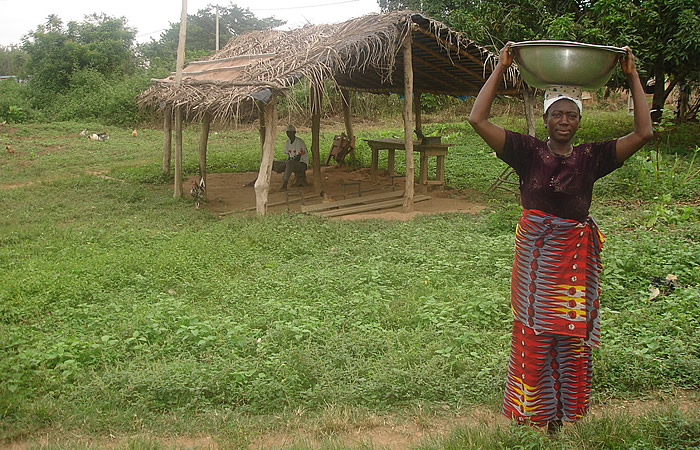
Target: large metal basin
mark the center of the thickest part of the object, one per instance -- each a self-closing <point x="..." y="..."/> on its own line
<point x="547" y="63"/>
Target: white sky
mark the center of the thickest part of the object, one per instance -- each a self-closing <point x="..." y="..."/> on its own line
<point x="150" y="17"/>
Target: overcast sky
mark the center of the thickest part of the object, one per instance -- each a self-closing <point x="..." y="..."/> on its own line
<point x="150" y="17"/>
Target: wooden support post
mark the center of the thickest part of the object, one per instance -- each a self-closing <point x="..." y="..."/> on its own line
<point x="347" y="115"/>
<point x="529" y="100"/>
<point x="408" y="120"/>
<point x="440" y="169"/>
<point x="167" y="138"/>
<point x="316" y="98"/>
<point x="261" y="117"/>
<point x="177" y="189"/>
<point x="203" y="141"/>
<point x="262" y="184"/>
<point x="390" y="162"/>
<point x="423" y="172"/>
<point x="417" y="111"/>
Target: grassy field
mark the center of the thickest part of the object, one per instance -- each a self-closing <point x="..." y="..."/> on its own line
<point x="130" y="319"/>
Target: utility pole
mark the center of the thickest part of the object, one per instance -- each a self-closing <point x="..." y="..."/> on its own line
<point x="217" y="28"/>
<point x="181" y="44"/>
<point x="177" y="190"/>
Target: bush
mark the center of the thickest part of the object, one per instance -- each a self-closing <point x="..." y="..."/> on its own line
<point x="15" y="106"/>
<point x="92" y="96"/>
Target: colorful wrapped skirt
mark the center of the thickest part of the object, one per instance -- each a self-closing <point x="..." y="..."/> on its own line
<point x="554" y="297"/>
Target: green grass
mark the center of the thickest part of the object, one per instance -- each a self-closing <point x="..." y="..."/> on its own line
<point x="124" y="311"/>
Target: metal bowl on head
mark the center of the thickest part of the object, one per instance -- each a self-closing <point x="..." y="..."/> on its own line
<point x="547" y="63"/>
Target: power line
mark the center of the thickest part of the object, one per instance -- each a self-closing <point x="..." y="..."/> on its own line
<point x="148" y="34"/>
<point x="305" y="7"/>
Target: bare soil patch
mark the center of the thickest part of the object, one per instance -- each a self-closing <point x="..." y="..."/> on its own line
<point x="232" y="193"/>
<point x="393" y="432"/>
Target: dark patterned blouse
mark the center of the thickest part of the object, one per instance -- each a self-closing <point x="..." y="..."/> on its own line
<point x="558" y="185"/>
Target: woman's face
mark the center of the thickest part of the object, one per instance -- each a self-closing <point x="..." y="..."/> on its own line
<point x="562" y="120"/>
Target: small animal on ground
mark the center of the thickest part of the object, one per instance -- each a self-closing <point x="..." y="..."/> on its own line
<point x="134" y="133"/>
<point x="198" y="191"/>
<point x="9" y="148"/>
<point x="327" y="198"/>
<point x="83" y="133"/>
<point x="98" y="137"/>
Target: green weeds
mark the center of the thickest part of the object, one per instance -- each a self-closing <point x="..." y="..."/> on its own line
<point x="126" y="310"/>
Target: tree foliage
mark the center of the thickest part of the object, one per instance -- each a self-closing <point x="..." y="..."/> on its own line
<point x="664" y="34"/>
<point x="92" y="69"/>
<point x="56" y="52"/>
<point x="201" y="31"/>
<point x="11" y="60"/>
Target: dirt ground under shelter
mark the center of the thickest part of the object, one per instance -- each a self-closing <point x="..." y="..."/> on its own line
<point x="233" y="193"/>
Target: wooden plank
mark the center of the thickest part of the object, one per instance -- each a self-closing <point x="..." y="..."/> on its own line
<point x="351" y="201"/>
<point x="371" y="207"/>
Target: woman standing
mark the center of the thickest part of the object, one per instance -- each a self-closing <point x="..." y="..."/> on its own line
<point x="554" y="284"/>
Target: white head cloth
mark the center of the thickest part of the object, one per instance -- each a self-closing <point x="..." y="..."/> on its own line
<point x="556" y="93"/>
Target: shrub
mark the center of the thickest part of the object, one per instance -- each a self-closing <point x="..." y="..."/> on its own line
<point x="92" y="96"/>
<point x="14" y="103"/>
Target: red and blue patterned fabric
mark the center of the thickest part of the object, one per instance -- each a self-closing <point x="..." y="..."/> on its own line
<point x="549" y="377"/>
<point x="554" y="298"/>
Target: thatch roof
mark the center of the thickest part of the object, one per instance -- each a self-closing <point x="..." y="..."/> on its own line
<point x="362" y="54"/>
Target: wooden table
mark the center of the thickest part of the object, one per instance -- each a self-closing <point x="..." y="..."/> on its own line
<point x="391" y="145"/>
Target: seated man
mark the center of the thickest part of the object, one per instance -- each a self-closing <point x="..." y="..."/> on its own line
<point x="297" y="162"/>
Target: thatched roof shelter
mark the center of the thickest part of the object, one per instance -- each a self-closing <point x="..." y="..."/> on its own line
<point x="368" y="54"/>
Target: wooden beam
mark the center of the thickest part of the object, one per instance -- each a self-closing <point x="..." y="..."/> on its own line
<point x="262" y="184"/>
<point x="369" y="207"/>
<point x="408" y="122"/>
<point x="177" y="188"/>
<point x="431" y="77"/>
<point x="203" y="142"/>
<point x="316" y="99"/>
<point x="449" y="61"/>
<point x="446" y="73"/>
<point x="395" y="89"/>
<point x="460" y="50"/>
<point x="351" y="202"/>
<point x="167" y="138"/>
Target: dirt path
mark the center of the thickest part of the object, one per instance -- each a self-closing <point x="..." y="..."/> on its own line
<point x="345" y="429"/>
<point x="396" y="433"/>
<point x="231" y="193"/>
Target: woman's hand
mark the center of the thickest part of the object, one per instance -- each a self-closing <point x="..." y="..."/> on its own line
<point x="627" y="62"/>
<point x="506" y="56"/>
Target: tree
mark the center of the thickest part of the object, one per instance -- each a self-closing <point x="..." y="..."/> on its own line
<point x="664" y="34"/>
<point x="201" y="30"/>
<point x="12" y="60"/>
<point x="55" y="53"/>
